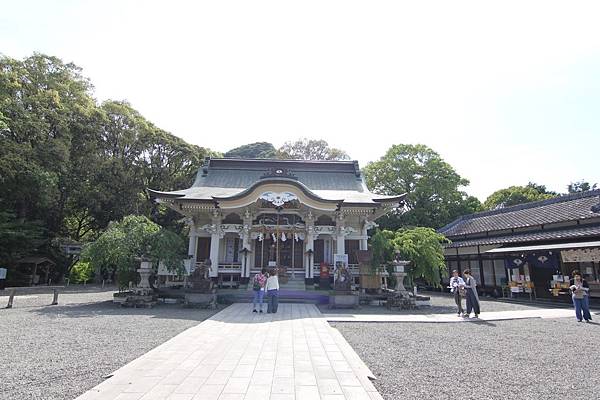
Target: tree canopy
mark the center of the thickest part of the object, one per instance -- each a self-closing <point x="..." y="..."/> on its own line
<point x="310" y="149"/>
<point x="421" y="246"/>
<point x="514" y="195"/>
<point x="581" y="186"/>
<point x="70" y="166"/>
<point x="434" y="196"/>
<point x="123" y="243"/>
<point x="253" y="150"/>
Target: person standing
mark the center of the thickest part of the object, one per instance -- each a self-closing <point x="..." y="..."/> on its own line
<point x="457" y="288"/>
<point x="272" y="288"/>
<point x="471" y="294"/>
<point x="579" y="291"/>
<point x="258" y="286"/>
<point x="586" y="299"/>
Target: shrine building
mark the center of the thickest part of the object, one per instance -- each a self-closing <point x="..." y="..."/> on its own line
<point x="245" y="214"/>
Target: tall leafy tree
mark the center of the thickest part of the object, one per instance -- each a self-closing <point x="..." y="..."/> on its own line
<point x="581" y="186"/>
<point x="44" y="103"/>
<point x="253" y="150"/>
<point x="421" y="246"/>
<point x="541" y="189"/>
<point x="434" y="196"/>
<point x="123" y="243"/>
<point x="74" y="165"/>
<point x="514" y="195"/>
<point x="310" y="149"/>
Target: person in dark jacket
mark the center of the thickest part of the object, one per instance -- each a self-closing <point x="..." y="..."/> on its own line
<point x="472" y="296"/>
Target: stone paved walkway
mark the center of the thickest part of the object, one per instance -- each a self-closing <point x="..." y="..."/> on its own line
<point x="294" y="354"/>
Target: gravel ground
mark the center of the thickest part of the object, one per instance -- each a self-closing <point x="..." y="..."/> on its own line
<point x="59" y="352"/>
<point x="518" y="359"/>
<point x="440" y="304"/>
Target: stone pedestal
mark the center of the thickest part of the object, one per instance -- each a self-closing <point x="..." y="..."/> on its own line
<point x="201" y="293"/>
<point x="343" y="300"/>
<point x="204" y="300"/>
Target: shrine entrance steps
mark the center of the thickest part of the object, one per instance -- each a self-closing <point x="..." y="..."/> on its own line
<point x="293" y="291"/>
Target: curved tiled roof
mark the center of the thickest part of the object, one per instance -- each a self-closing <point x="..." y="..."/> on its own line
<point x="572" y="207"/>
<point x="221" y="178"/>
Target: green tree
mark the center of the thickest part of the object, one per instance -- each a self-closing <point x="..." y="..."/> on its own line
<point x="423" y="248"/>
<point x="514" y="195"/>
<point x="74" y="165"/>
<point x="434" y="196"/>
<point x="253" y="150"/>
<point x="541" y="189"/>
<point x="44" y="103"/>
<point x="123" y="243"/>
<point x="19" y="239"/>
<point x="310" y="149"/>
<point x="581" y="186"/>
<point x="382" y="247"/>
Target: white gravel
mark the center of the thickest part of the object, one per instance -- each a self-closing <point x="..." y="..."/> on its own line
<point x="59" y="352"/>
<point x="518" y="359"/>
<point x="440" y="304"/>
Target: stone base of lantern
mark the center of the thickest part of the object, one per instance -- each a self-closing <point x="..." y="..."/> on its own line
<point x="343" y="300"/>
<point x="203" y="300"/>
<point x="140" y="300"/>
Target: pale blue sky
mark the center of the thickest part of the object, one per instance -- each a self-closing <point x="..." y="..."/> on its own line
<point x="508" y="92"/>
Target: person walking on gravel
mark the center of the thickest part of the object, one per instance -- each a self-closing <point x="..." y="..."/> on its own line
<point x="272" y="288"/>
<point x="579" y="291"/>
<point x="472" y="296"/>
<point x="258" y="286"/>
<point x="457" y="288"/>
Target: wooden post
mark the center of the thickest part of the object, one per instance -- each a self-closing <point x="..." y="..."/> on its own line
<point x="55" y="299"/>
<point x="11" y="298"/>
<point x="293" y="260"/>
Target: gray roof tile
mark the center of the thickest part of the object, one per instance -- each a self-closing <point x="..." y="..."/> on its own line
<point x="592" y="231"/>
<point x="330" y="180"/>
<point x="571" y="207"/>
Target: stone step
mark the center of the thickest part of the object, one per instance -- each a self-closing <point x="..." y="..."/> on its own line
<point x="285" y="296"/>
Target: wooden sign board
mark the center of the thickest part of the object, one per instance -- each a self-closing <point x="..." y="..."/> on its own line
<point x="364" y="256"/>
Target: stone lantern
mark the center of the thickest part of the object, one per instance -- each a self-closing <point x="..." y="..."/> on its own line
<point x="400" y="272"/>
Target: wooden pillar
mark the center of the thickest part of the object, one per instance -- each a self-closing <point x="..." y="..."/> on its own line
<point x="193" y="246"/>
<point x="480" y="261"/>
<point x="215" y="244"/>
<point x="340" y="237"/>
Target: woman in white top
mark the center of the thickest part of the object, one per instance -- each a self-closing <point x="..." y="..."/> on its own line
<point x="272" y="288"/>
<point x="580" y="292"/>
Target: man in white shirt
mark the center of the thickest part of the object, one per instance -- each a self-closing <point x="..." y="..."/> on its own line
<point x="457" y="284"/>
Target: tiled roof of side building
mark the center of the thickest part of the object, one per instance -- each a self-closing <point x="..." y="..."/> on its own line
<point x="571" y="207"/>
<point x="573" y="234"/>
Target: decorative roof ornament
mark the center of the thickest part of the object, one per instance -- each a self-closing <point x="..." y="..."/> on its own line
<point x="278" y="199"/>
<point x="279" y="173"/>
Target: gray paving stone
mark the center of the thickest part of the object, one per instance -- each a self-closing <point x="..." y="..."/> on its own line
<point x="294" y="354"/>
